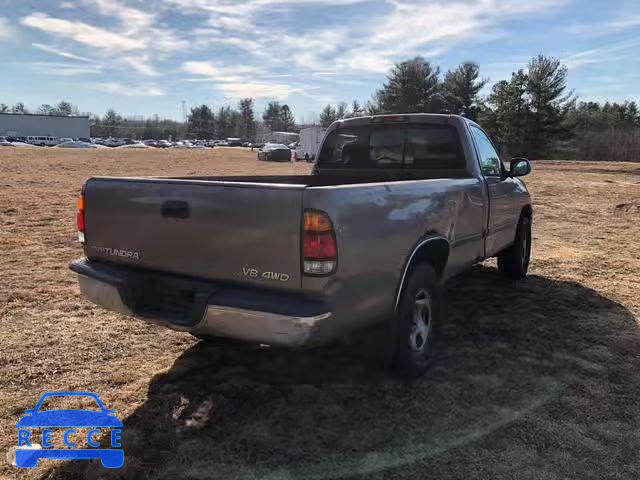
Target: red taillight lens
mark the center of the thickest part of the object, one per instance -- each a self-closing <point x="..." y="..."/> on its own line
<point x="80" y="218"/>
<point x="319" y="248"/>
<point x="319" y="245"/>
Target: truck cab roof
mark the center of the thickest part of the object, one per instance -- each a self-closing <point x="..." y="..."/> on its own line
<point x="434" y="118"/>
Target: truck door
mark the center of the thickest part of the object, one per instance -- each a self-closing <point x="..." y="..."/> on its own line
<point x="502" y="191"/>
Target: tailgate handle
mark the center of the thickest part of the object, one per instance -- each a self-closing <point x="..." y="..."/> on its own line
<point x="175" y="209"/>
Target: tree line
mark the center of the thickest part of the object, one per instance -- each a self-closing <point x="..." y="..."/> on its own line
<point x="532" y="114"/>
<point x="203" y="123"/>
<point x="62" y="108"/>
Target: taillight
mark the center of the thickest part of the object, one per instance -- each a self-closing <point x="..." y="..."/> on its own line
<point x="319" y="249"/>
<point x="80" y="218"/>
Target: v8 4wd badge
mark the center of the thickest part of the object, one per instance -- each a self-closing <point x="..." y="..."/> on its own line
<point x="250" y="272"/>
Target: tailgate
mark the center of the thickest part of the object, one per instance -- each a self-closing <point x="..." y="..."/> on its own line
<point x="243" y="232"/>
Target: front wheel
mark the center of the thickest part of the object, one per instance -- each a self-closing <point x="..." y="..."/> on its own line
<point x="418" y="318"/>
<point x="514" y="261"/>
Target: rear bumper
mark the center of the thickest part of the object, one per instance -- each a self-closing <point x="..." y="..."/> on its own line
<point x="248" y="315"/>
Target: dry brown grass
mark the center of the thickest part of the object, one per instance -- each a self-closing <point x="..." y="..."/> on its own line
<point x="537" y="379"/>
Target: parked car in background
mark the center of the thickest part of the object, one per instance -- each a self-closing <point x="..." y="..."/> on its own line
<point x="135" y="145"/>
<point x="43" y="141"/>
<point x="4" y="142"/>
<point x="114" y="142"/>
<point x="274" y="152"/>
<point x="76" y="144"/>
<point x="234" y="142"/>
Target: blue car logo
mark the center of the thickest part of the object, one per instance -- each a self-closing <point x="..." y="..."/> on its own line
<point x="68" y="418"/>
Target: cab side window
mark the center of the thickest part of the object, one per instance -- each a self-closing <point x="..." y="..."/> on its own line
<point x="490" y="163"/>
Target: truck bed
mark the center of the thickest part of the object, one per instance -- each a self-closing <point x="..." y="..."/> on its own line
<point x="335" y="177"/>
<point x="219" y="228"/>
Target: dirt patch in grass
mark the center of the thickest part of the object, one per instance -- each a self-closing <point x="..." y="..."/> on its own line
<point x="628" y="209"/>
<point x="536" y="379"/>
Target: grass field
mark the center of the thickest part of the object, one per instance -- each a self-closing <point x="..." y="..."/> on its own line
<point x="538" y="379"/>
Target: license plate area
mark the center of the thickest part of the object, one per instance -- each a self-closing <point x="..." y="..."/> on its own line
<point x="175" y="300"/>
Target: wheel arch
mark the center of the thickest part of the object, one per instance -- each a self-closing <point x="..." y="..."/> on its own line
<point x="527" y="211"/>
<point x="433" y="250"/>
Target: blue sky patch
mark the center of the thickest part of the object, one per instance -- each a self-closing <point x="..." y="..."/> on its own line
<point x="144" y="58"/>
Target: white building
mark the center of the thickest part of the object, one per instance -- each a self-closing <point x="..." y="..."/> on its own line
<point x="26" y="124"/>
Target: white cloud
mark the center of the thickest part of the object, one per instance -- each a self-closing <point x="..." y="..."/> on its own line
<point x="227" y="22"/>
<point x="83" y="33"/>
<point x="61" y="53"/>
<point x="66" y="69"/>
<point x="219" y="73"/>
<point x="232" y="81"/>
<point x="257" y="89"/>
<point x="598" y="55"/>
<point x="429" y="29"/>
<point x="6" y="30"/>
<point x="136" y="30"/>
<point x="136" y="37"/>
<point x="623" y="19"/>
<point x="141" y="90"/>
<point x="407" y="28"/>
<point x="141" y="65"/>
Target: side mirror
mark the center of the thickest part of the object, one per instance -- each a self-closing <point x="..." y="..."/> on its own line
<point x="519" y="167"/>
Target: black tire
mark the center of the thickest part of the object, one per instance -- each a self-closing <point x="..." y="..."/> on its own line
<point x="514" y="261"/>
<point x="414" y="346"/>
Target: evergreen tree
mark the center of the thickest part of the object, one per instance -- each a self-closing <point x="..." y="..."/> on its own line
<point x="356" y="109"/>
<point x="506" y="120"/>
<point x="272" y="116"/>
<point x="328" y="116"/>
<point x="412" y="86"/>
<point x="201" y="123"/>
<point x="460" y="90"/>
<point x="546" y="87"/>
<point x="248" y="121"/>
<point x="287" y="122"/>
<point x="341" y="110"/>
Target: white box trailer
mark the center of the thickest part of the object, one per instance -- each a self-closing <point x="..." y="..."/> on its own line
<point x="309" y="143"/>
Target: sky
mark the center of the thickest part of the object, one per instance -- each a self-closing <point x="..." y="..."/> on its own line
<point x="146" y="57"/>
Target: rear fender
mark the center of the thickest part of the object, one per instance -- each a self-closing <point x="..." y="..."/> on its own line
<point x="433" y="250"/>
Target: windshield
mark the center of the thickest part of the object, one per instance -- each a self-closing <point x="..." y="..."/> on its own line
<point x="424" y="147"/>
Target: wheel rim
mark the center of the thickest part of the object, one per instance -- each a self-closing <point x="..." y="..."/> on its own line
<point x="420" y="322"/>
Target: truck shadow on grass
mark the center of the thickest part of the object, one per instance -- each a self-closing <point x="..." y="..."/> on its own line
<point x="534" y="380"/>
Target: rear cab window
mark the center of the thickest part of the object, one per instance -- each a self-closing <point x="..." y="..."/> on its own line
<point x="413" y="146"/>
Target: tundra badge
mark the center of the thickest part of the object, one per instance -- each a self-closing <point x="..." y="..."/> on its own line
<point x="117" y="252"/>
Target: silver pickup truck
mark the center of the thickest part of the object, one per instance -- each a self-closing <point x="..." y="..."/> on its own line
<point x="395" y="205"/>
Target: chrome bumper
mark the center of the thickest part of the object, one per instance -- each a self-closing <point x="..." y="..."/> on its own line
<point x="260" y="327"/>
<point x="222" y="321"/>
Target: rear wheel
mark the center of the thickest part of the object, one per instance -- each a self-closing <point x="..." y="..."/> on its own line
<point x="417" y="320"/>
<point x="514" y="261"/>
